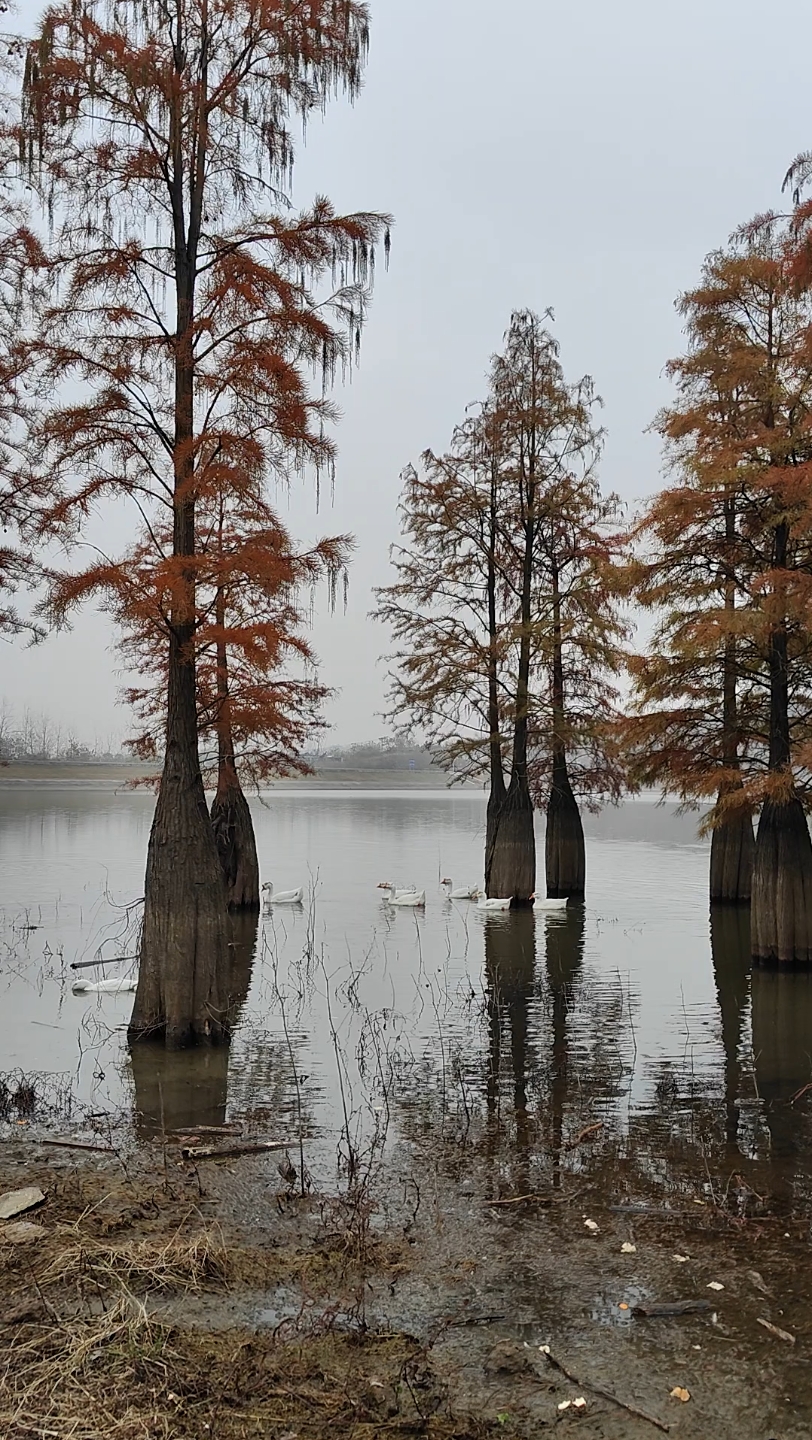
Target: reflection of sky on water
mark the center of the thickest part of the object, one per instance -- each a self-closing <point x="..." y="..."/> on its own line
<point x="624" y="1011"/>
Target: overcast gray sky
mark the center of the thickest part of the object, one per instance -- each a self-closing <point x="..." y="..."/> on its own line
<point x="584" y="157"/>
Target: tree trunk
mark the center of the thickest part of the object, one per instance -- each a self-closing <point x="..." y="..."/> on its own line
<point x="498" y="790"/>
<point x="781" y="922"/>
<point x="182" y="979"/>
<point x="230" y="813"/>
<point x="175" y="1091"/>
<point x="513" y="854"/>
<point x="733" y="849"/>
<point x="182" y="995"/>
<point x="782" y="887"/>
<point x="564" y="848"/>
<point x="733" y="846"/>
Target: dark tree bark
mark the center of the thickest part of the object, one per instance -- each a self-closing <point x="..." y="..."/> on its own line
<point x="782" y="1025"/>
<point x="498" y="789"/>
<point x="564" y="847"/>
<point x="782" y="873"/>
<point x="183" y="973"/>
<point x="513" y="855"/>
<point x="733" y="849"/>
<point x="733" y="845"/>
<point x="174" y="1091"/>
<point x="230" y="812"/>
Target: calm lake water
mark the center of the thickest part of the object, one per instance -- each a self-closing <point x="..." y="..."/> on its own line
<point x="636" y="1015"/>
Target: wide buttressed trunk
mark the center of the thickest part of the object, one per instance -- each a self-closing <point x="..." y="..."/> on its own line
<point x="496" y="801"/>
<point x="781" y="922"/>
<point x="236" y="843"/>
<point x="183" y="978"/>
<point x="513" y="855"/>
<point x="564" y="847"/>
<point x="733" y="849"/>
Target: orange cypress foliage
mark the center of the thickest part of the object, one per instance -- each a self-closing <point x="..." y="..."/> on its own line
<point x="725" y="693"/>
<point x="191" y="305"/>
<point x="258" y="697"/>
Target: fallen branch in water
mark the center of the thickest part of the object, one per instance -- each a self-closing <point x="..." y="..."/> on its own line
<point x="587" y="1134"/>
<point x="80" y="1145"/>
<point x="89" y="964"/>
<point x="231" y="1152"/>
<point x="604" y="1394"/>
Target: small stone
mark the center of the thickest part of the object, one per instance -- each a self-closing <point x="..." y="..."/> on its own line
<point x="508" y="1358"/>
<point x="714" y="1285"/>
<point x="16" y="1202"/>
<point x="592" y="1226"/>
<point x="627" y="1248"/>
<point x="682" y="1259"/>
<point x="678" y="1393"/>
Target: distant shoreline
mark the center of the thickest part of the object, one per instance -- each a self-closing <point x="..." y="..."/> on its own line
<point x="101" y="774"/>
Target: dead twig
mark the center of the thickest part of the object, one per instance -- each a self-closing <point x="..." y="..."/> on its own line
<point x="604" y="1394"/>
<point x="230" y="1152"/>
<point x="777" y="1331"/>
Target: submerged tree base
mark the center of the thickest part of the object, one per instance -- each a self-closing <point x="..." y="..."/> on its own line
<point x="564" y="847"/>
<point x="733" y="850"/>
<point x="781" y="912"/>
<point x="184" y="969"/>
<point x="236" y="847"/>
<point x="513" y="854"/>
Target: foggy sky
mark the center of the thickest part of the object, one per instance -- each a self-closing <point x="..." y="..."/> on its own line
<point x="584" y="157"/>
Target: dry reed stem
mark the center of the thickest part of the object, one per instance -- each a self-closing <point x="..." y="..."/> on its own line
<point x="144" y="1265"/>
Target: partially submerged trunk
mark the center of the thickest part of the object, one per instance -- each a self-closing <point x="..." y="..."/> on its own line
<point x="781" y="922"/>
<point x="230" y="813"/>
<point x="182" y="978"/>
<point x="513" y="858"/>
<point x="782" y="887"/>
<point x="564" y="847"/>
<point x="733" y="845"/>
<point x="179" y="1091"/>
<point x="733" y="849"/>
<point x="781" y="1008"/>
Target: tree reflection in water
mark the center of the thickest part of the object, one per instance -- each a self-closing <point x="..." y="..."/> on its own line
<point x="176" y="1090"/>
<point x="730" y="948"/>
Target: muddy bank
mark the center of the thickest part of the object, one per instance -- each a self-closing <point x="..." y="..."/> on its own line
<point x="167" y="1297"/>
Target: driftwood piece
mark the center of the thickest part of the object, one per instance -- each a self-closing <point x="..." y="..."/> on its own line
<point x="79" y="1145"/>
<point x="89" y="964"/>
<point x="231" y="1152"/>
<point x="604" y="1394"/>
<point x="777" y="1331"/>
<point x="668" y="1309"/>
<point x="226" y="1129"/>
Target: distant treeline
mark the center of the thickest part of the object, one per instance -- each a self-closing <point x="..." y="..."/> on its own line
<point x="35" y="736"/>
<point x="375" y="755"/>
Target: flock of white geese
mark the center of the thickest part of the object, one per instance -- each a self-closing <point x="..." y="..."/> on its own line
<point x="399" y="897"/>
<point x="408" y="897"/>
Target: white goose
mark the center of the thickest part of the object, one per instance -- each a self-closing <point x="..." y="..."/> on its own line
<point x="494" y="904"/>
<point x="415" y="899"/>
<point x="472" y="892"/>
<point x="550" y="904"/>
<point x="281" y="897"/>
<point x="113" y="985"/>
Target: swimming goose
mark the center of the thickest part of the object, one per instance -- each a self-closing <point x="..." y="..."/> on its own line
<point x="281" y="897"/>
<point x="472" y="892"/>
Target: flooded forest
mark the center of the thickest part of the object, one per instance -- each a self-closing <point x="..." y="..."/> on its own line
<point x="456" y="1084"/>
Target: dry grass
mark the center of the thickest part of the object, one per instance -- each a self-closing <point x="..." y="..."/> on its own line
<point x="126" y="1376"/>
<point x="143" y="1266"/>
